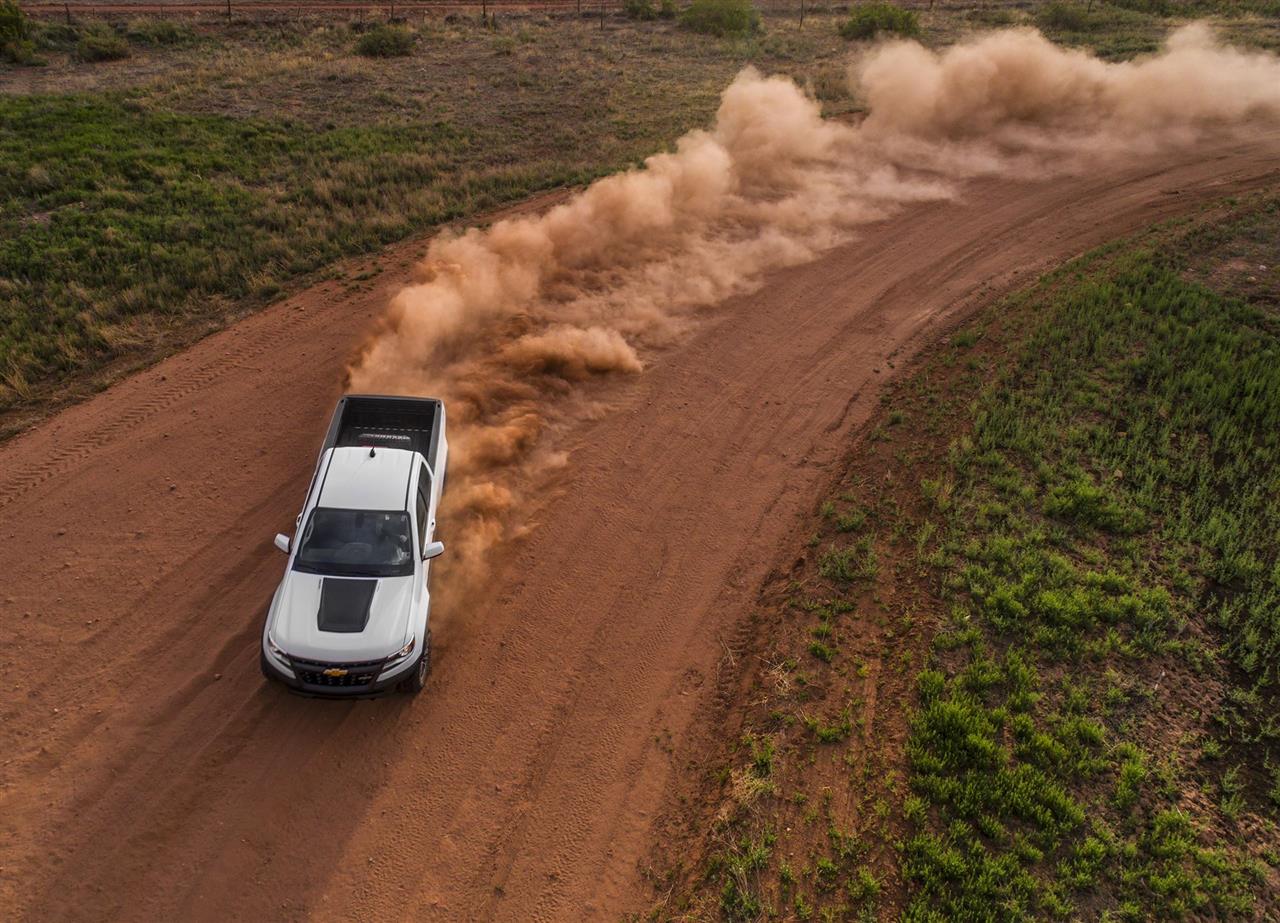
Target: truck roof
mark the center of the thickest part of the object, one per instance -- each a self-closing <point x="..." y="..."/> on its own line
<point x="359" y="478"/>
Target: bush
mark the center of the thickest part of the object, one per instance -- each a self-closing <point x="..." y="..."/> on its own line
<point x="639" y="9"/>
<point x="1153" y="7"/>
<point x="867" y="20"/>
<point x="386" y="42"/>
<point x="667" y="9"/>
<point x="56" y="36"/>
<point x="101" y="45"/>
<point x="721" y="17"/>
<point x="1063" y="17"/>
<point x="13" y="22"/>
<point x="159" y="32"/>
<point x="15" y="35"/>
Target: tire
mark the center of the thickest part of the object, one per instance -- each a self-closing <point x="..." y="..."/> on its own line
<point x="417" y="678"/>
<point x="266" y="671"/>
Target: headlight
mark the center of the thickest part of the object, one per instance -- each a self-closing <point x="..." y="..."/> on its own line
<point x="275" y="650"/>
<point x="403" y="652"/>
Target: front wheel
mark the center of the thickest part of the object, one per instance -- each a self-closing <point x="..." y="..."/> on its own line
<point x="417" y="678"/>
<point x="266" y="670"/>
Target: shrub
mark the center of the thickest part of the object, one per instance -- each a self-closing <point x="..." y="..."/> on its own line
<point x="640" y="9"/>
<point x="385" y="41"/>
<point x="13" y="22"/>
<point x="867" y="20"/>
<point x="667" y="9"/>
<point x="159" y="32"/>
<point x="1063" y="17"/>
<point x="56" y="36"/>
<point x="721" y="17"/>
<point x="101" y="45"/>
<point x="1153" y="7"/>
<point x="15" y="35"/>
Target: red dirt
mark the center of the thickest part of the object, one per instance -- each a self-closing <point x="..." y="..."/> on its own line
<point x="147" y="771"/>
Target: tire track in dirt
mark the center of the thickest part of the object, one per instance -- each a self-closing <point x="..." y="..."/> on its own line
<point x="527" y="781"/>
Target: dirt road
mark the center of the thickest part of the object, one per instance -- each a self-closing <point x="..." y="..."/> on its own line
<point x="148" y="773"/>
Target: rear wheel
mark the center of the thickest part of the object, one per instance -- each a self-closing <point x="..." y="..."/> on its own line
<point x="417" y="678"/>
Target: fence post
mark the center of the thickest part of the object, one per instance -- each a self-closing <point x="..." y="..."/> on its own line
<point x="228" y="12"/>
<point x="67" y="8"/>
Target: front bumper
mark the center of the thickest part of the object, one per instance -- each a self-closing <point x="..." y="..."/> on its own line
<point x="335" y="680"/>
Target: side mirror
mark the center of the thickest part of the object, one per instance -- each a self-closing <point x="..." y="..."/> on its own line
<point x="283" y="542"/>
<point x="432" y="550"/>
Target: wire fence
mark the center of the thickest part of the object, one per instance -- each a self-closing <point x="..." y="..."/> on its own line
<point x="376" y="9"/>
<point x="253" y="9"/>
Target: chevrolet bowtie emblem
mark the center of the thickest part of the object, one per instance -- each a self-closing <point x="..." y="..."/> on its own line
<point x="335" y="672"/>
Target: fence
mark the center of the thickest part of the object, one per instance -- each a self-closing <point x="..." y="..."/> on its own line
<point x="251" y="9"/>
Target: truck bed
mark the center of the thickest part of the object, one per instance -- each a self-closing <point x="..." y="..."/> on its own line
<point x="412" y="423"/>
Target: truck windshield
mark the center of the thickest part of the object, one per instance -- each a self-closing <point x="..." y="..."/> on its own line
<point x="356" y="543"/>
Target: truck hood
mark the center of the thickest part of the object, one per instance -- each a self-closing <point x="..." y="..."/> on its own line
<point x="341" y="618"/>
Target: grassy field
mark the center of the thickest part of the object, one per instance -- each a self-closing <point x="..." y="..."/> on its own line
<point x="160" y="178"/>
<point x="169" y="191"/>
<point x="1060" y="545"/>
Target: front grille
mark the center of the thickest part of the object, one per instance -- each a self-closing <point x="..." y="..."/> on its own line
<point x="360" y="673"/>
<point x="316" y="678"/>
<point x="354" y="665"/>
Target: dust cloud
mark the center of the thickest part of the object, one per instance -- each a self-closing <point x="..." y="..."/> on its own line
<point x="507" y="323"/>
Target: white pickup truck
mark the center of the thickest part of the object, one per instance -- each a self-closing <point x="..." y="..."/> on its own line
<point x="352" y="615"/>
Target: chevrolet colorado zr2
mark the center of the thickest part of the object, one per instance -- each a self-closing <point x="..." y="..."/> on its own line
<point x="351" y="616"/>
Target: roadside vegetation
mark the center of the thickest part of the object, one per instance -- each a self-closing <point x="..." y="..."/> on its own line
<point x="1028" y="665"/>
<point x="161" y="177"/>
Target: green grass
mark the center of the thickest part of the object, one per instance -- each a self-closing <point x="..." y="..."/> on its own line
<point x="1131" y="445"/>
<point x="116" y="213"/>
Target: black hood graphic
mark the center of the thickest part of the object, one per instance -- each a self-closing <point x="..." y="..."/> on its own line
<point x="344" y="604"/>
